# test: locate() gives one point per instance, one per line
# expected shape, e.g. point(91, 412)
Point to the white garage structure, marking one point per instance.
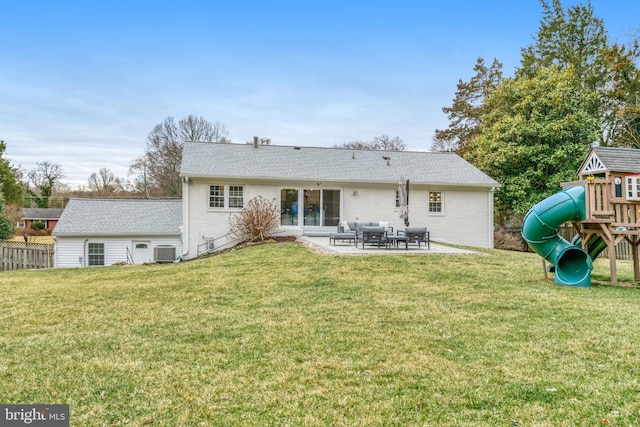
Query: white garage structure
point(94, 232)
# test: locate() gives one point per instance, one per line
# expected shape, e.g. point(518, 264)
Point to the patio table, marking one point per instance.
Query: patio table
point(395, 239)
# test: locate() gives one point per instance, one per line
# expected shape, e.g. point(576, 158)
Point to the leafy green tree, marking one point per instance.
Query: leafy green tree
point(572, 38)
point(575, 39)
point(466, 112)
point(623, 94)
point(6, 224)
point(533, 137)
point(9, 179)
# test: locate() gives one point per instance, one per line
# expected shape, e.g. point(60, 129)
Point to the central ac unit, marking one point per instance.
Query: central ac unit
point(164, 253)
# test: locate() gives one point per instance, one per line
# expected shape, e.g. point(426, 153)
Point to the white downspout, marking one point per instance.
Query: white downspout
point(491, 217)
point(85, 249)
point(185, 216)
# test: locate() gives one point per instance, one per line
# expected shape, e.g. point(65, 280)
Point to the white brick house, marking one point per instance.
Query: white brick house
point(318, 187)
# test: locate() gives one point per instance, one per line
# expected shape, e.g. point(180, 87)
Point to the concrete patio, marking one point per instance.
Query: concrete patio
point(322, 243)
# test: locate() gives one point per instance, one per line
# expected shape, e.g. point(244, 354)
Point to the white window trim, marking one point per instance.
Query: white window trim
point(279, 201)
point(442, 197)
point(632, 181)
point(226, 198)
point(104, 253)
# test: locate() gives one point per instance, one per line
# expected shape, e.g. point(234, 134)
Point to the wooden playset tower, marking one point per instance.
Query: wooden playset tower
point(611, 178)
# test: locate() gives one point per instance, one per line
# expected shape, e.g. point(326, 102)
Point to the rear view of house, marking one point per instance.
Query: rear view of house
point(104, 232)
point(316, 188)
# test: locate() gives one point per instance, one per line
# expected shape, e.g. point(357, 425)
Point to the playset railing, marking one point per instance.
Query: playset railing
point(603, 207)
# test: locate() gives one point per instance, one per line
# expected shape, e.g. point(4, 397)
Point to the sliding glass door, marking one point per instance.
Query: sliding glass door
point(289, 206)
point(330, 207)
point(315, 207)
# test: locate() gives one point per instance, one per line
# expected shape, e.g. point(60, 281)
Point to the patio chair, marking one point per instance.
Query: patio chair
point(418, 235)
point(374, 235)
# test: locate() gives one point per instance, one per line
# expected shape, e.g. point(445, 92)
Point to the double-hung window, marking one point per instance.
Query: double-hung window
point(435, 202)
point(216, 196)
point(95, 254)
point(226, 196)
point(236, 198)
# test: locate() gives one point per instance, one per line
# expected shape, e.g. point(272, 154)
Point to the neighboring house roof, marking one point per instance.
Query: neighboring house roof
point(618, 159)
point(93, 217)
point(41, 213)
point(278, 162)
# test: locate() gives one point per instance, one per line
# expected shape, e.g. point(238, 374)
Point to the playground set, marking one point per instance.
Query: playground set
point(603, 206)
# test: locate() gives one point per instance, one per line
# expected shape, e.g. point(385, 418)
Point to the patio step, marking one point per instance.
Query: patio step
point(319, 231)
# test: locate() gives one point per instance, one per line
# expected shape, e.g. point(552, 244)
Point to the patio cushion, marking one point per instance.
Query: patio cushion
point(356, 226)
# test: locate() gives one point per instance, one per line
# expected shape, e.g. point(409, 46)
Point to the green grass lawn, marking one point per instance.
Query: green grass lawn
point(278, 335)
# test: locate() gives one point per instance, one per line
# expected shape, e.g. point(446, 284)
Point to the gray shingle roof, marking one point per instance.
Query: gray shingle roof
point(41, 213)
point(619, 159)
point(278, 162)
point(91, 217)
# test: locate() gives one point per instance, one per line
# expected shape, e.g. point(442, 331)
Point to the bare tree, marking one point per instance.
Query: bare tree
point(259, 141)
point(105, 183)
point(382, 142)
point(44, 177)
point(160, 165)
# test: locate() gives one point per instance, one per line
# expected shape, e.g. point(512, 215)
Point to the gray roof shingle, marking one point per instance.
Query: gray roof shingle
point(619, 159)
point(278, 162)
point(41, 213)
point(92, 217)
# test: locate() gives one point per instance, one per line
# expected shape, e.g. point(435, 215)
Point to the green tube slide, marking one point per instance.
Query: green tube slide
point(595, 246)
point(540, 230)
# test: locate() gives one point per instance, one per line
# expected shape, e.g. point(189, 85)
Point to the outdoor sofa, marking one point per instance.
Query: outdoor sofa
point(352, 230)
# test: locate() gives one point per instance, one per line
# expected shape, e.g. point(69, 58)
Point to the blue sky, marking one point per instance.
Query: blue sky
point(82, 83)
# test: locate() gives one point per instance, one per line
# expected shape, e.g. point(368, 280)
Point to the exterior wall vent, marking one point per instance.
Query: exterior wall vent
point(164, 253)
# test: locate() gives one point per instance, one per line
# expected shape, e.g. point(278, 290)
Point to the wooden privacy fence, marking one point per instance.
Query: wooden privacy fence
point(21, 255)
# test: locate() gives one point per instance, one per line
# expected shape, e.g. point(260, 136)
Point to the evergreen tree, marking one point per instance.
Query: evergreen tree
point(465, 115)
point(575, 39)
point(623, 95)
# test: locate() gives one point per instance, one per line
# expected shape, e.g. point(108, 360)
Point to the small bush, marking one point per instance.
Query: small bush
point(509, 240)
point(258, 219)
point(6, 228)
point(38, 225)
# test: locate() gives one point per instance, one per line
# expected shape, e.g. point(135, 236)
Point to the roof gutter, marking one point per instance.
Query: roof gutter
point(304, 181)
